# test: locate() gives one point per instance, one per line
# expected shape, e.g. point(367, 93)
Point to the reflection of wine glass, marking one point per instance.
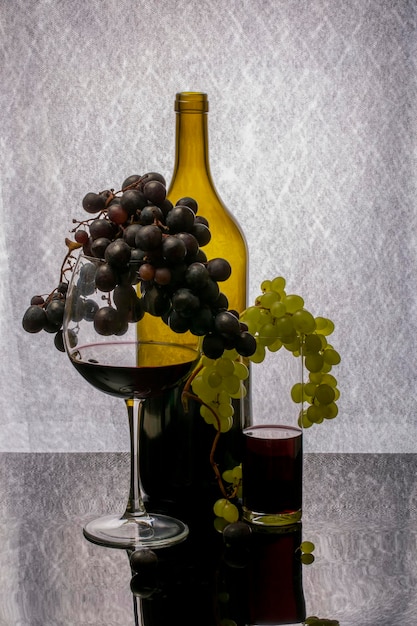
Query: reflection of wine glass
point(102, 339)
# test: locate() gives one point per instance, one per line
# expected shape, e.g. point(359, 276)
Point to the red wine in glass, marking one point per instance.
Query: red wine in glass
point(272, 474)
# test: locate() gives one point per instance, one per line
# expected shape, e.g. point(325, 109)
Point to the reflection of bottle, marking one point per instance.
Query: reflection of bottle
point(174, 445)
point(201, 581)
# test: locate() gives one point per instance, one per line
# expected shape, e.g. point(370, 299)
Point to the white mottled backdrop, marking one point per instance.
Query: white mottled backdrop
point(313, 148)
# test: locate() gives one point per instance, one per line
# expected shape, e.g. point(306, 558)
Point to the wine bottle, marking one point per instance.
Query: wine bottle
point(175, 444)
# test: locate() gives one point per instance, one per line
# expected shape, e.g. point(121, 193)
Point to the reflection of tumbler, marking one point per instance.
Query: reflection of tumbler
point(275, 587)
point(272, 474)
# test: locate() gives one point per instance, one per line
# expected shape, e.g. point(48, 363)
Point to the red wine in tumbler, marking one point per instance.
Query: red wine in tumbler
point(272, 474)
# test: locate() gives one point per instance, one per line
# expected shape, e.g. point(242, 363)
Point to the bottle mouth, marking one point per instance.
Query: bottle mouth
point(191, 102)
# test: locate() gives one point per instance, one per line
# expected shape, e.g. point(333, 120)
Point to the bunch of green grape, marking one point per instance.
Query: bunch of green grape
point(217, 383)
point(277, 320)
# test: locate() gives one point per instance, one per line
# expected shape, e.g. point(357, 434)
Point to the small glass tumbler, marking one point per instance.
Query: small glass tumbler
point(272, 468)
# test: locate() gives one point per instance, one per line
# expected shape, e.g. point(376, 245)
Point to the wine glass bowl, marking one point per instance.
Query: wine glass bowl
point(107, 339)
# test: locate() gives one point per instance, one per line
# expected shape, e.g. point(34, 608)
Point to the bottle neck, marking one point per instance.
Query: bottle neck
point(191, 140)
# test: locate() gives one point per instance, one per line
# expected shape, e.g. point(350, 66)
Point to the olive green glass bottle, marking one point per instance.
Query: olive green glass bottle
point(175, 444)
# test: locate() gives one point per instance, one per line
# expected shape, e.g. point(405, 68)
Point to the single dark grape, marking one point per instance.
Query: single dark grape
point(226, 323)
point(153, 176)
point(245, 344)
point(62, 288)
point(148, 238)
point(210, 293)
point(184, 301)
point(117, 214)
point(72, 338)
point(151, 214)
point(202, 322)
point(191, 244)
point(178, 323)
point(165, 206)
point(196, 276)
point(143, 560)
point(99, 247)
point(117, 253)
point(51, 326)
point(34, 319)
point(101, 228)
point(174, 250)
point(237, 534)
point(130, 180)
point(59, 341)
point(163, 276)
point(213, 346)
point(221, 302)
point(154, 191)
point(201, 256)
point(81, 236)
point(201, 233)
point(143, 586)
point(130, 232)
point(123, 297)
point(93, 202)
point(107, 321)
point(219, 269)
point(55, 311)
point(37, 300)
point(156, 301)
point(190, 202)
point(138, 310)
point(146, 271)
point(180, 219)
point(133, 201)
point(106, 278)
point(200, 219)
point(137, 256)
point(90, 308)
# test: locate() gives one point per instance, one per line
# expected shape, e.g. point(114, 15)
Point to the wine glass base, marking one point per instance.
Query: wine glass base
point(151, 531)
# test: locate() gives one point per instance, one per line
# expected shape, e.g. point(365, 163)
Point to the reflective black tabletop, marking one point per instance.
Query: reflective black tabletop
point(359, 510)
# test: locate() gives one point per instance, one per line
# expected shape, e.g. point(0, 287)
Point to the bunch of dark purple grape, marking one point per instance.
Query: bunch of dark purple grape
point(147, 241)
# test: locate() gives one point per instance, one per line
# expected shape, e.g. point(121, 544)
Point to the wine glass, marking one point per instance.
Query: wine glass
point(103, 338)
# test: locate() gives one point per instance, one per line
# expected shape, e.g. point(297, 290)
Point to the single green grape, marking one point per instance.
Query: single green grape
point(307, 546)
point(278, 284)
point(231, 384)
point(331, 356)
point(304, 321)
point(241, 371)
point(214, 379)
point(224, 366)
point(284, 327)
point(314, 362)
point(274, 347)
point(315, 414)
point(330, 411)
point(307, 559)
point(225, 410)
point(219, 505)
point(297, 392)
point(293, 302)
point(259, 354)
point(230, 512)
point(278, 309)
point(268, 299)
point(267, 334)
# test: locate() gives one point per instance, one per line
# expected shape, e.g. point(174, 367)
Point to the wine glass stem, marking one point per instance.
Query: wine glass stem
point(135, 506)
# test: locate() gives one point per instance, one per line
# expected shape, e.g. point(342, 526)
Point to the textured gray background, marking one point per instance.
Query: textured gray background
point(312, 144)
